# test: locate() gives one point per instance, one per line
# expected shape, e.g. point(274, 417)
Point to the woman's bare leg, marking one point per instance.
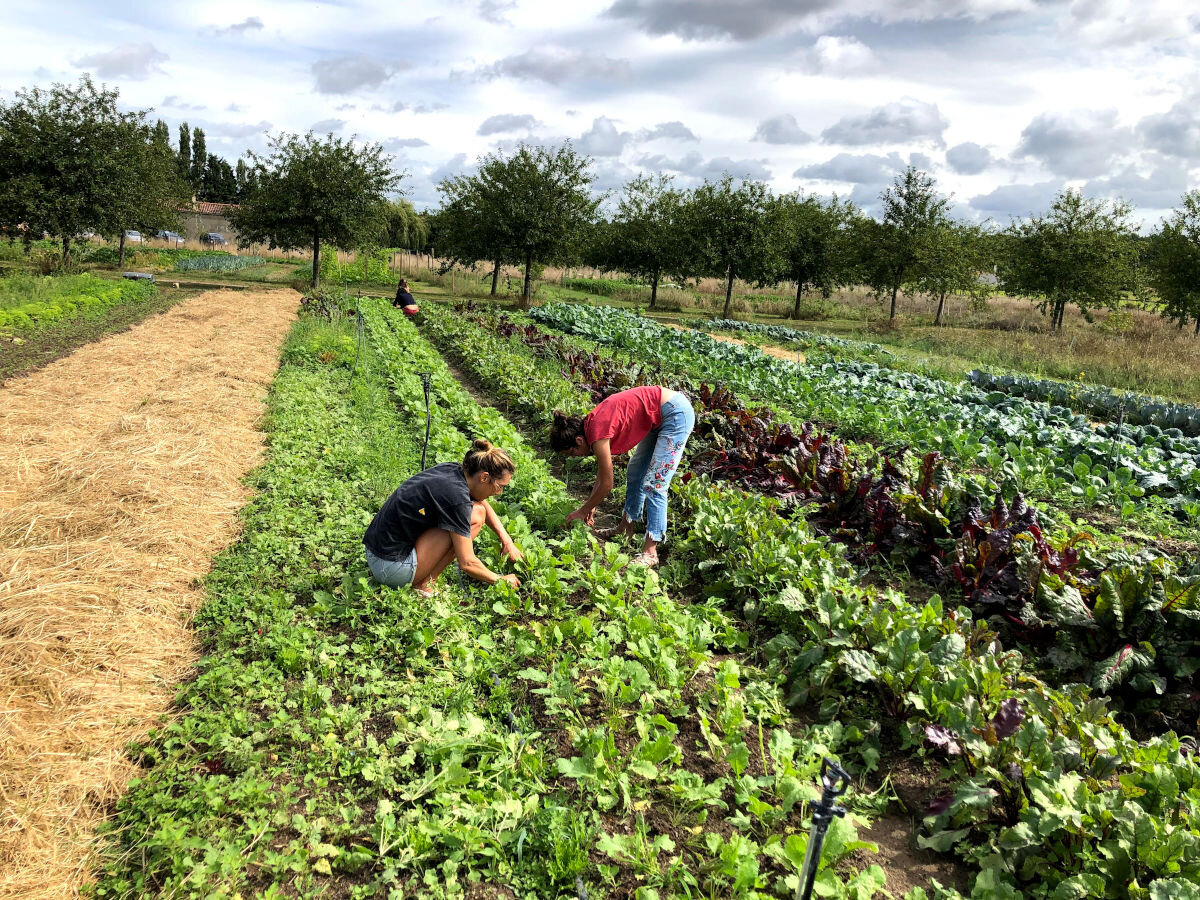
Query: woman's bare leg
point(435, 551)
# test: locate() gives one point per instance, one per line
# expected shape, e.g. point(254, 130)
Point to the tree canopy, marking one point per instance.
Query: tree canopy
point(730, 231)
point(72, 162)
point(1175, 262)
point(1083, 251)
point(911, 209)
point(648, 236)
point(811, 240)
point(316, 189)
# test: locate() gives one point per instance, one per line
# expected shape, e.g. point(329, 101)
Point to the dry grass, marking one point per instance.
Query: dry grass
point(120, 476)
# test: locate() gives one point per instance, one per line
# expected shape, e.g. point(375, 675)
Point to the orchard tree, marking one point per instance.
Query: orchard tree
point(950, 258)
point(69, 161)
point(545, 201)
point(472, 224)
point(312, 190)
point(812, 243)
point(1175, 263)
point(911, 209)
point(648, 235)
point(1083, 252)
point(151, 189)
point(730, 231)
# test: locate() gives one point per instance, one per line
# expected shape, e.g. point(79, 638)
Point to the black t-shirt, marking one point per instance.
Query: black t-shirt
point(403, 298)
point(436, 498)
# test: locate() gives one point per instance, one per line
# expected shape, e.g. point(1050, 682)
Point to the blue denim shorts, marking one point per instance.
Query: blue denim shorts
point(392, 572)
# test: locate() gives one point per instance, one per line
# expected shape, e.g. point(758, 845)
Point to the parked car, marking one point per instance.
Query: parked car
point(133, 237)
point(213, 237)
point(171, 236)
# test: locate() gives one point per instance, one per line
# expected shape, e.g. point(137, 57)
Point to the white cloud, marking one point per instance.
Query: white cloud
point(899, 122)
point(556, 66)
point(137, 61)
point(346, 74)
point(782, 129)
point(836, 55)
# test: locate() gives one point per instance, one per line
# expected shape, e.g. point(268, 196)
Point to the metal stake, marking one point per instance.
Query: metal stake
point(834, 783)
point(425, 376)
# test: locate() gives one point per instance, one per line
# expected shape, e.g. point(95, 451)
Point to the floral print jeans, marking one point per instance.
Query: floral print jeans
point(653, 465)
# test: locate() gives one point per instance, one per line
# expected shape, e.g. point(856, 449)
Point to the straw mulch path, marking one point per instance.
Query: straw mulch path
point(121, 473)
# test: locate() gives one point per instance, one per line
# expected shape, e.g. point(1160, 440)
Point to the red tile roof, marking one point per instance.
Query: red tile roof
point(214, 209)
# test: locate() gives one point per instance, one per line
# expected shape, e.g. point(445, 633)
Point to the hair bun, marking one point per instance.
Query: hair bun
point(483, 445)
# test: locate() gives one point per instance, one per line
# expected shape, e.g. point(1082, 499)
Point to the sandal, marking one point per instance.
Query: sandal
point(425, 592)
point(642, 559)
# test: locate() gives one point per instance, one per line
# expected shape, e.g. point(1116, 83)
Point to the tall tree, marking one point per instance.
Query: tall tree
point(911, 208)
point(312, 190)
point(199, 162)
point(151, 189)
point(219, 184)
point(648, 235)
point(730, 231)
point(1175, 262)
point(1082, 251)
point(242, 177)
point(472, 225)
point(544, 199)
point(185, 152)
point(406, 228)
point(64, 155)
point(950, 258)
point(812, 238)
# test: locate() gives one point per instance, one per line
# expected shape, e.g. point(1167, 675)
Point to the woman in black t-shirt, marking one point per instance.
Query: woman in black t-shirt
point(404, 300)
point(435, 516)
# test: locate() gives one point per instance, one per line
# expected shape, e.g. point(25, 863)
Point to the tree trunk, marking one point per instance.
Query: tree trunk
point(1196, 333)
point(526, 295)
point(121, 252)
point(316, 279)
point(495, 276)
point(66, 250)
point(895, 291)
point(799, 298)
point(654, 288)
point(728, 292)
point(937, 320)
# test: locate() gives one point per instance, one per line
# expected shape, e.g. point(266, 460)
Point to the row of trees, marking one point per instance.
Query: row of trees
point(210, 176)
point(536, 205)
point(72, 163)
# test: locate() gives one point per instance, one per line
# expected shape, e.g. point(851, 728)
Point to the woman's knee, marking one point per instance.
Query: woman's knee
point(478, 518)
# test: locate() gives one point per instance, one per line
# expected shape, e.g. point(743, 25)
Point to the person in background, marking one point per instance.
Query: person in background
point(435, 516)
point(404, 300)
point(658, 421)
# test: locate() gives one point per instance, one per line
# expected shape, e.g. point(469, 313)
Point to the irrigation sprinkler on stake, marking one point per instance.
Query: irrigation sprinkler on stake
point(834, 782)
point(425, 376)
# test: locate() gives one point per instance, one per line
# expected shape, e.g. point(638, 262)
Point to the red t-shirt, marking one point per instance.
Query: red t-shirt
point(624, 418)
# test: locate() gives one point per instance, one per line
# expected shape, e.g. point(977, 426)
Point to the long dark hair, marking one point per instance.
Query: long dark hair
point(564, 430)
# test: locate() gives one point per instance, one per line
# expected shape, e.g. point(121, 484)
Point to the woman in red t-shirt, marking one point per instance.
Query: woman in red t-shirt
point(658, 422)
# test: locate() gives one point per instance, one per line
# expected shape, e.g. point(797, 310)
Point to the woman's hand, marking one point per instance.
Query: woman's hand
point(513, 581)
point(510, 550)
point(586, 516)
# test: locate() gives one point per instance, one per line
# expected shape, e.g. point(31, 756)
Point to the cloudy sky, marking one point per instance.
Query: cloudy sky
point(1004, 101)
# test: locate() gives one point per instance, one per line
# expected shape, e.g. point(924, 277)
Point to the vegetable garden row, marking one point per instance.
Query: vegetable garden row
point(614, 732)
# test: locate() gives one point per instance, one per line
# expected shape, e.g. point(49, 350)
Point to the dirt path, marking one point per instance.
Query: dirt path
point(120, 478)
point(769, 349)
